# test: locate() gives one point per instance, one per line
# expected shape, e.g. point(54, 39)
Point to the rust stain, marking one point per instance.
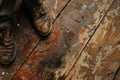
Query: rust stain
point(37, 55)
point(55, 39)
point(32, 57)
point(28, 46)
point(41, 56)
point(25, 74)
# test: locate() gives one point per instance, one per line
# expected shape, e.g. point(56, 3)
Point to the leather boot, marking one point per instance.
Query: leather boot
point(7, 45)
point(39, 16)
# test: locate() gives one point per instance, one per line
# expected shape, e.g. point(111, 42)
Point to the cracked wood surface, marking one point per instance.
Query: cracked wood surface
point(26, 38)
point(56, 57)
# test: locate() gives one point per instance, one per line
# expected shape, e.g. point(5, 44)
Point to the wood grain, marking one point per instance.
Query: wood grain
point(54, 57)
point(100, 59)
point(26, 38)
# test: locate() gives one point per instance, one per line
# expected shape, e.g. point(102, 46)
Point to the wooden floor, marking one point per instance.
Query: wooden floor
point(84, 43)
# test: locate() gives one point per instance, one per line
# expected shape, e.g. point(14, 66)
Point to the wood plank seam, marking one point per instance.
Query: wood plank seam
point(116, 73)
point(40, 40)
point(25, 59)
point(88, 40)
point(42, 71)
point(93, 63)
point(96, 25)
point(62, 71)
point(62, 10)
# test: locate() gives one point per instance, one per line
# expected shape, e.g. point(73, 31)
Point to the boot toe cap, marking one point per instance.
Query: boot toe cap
point(44, 26)
point(7, 58)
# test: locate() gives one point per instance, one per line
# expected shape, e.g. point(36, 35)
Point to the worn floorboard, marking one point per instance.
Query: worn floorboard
point(55, 7)
point(26, 38)
point(100, 60)
point(55, 57)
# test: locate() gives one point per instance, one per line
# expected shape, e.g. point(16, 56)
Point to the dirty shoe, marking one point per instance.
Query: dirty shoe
point(40, 18)
point(7, 45)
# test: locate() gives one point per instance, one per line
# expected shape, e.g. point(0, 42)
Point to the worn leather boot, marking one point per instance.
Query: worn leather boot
point(40, 18)
point(7, 45)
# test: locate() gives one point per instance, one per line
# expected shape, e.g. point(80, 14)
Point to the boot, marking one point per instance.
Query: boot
point(7, 45)
point(40, 18)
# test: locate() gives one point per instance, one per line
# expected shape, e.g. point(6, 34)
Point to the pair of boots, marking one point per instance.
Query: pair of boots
point(39, 18)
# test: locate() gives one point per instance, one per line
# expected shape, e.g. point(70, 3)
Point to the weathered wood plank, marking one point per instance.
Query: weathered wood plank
point(87, 15)
point(100, 60)
point(26, 38)
point(54, 7)
point(53, 58)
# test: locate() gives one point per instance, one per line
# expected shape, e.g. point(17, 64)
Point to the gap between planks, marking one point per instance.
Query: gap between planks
point(89, 40)
point(40, 39)
point(117, 72)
